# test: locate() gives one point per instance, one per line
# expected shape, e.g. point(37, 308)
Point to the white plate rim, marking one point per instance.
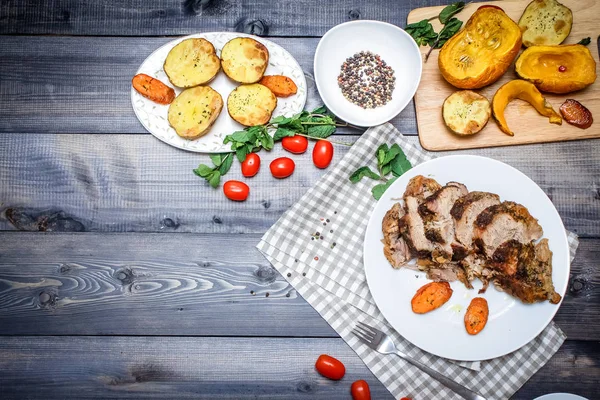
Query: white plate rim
point(327, 103)
point(172, 43)
point(564, 242)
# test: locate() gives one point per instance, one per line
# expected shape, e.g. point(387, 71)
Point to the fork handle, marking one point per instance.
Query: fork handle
point(449, 383)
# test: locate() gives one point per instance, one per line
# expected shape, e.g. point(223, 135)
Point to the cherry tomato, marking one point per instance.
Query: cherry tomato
point(330, 367)
point(282, 167)
point(295, 144)
point(322, 154)
point(360, 390)
point(488, 6)
point(251, 165)
point(236, 190)
point(406, 398)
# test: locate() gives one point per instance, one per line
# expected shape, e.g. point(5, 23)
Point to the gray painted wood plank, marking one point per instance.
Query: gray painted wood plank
point(57, 84)
point(225, 368)
point(188, 284)
point(176, 17)
point(95, 284)
point(124, 183)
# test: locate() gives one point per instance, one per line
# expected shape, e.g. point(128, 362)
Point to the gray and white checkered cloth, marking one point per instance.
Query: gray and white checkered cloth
point(317, 246)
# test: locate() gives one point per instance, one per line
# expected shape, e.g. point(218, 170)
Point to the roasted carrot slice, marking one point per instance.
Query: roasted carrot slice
point(153, 89)
point(431, 296)
point(476, 316)
point(280, 85)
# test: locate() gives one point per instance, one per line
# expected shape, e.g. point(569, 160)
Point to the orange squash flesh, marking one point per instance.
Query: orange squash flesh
point(557, 69)
point(520, 89)
point(481, 53)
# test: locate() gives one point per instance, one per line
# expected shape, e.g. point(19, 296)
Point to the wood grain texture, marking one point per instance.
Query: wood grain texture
point(225, 368)
point(187, 284)
point(57, 84)
point(177, 17)
point(146, 284)
point(125, 183)
point(526, 123)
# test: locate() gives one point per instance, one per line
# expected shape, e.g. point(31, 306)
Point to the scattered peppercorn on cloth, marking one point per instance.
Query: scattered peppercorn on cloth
point(317, 246)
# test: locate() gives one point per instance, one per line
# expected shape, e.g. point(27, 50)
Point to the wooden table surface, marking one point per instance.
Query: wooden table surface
point(123, 275)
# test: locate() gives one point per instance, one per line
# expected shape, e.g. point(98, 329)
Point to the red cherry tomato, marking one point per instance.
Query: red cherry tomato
point(282, 167)
point(322, 154)
point(236, 190)
point(330, 367)
point(406, 398)
point(360, 390)
point(488, 6)
point(295, 144)
point(251, 165)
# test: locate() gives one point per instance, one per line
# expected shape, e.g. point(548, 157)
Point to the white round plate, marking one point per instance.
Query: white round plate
point(396, 47)
point(511, 323)
point(560, 396)
point(154, 116)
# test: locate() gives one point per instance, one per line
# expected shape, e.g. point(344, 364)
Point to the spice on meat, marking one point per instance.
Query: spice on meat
point(366, 80)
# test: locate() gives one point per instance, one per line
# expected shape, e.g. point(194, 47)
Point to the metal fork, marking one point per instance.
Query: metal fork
point(382, 343)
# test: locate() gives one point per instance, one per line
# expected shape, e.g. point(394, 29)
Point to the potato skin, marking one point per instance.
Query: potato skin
point(476, 316)
point(192, 62)
point(153, 89)
point(251, 105)
point(430, 297)
point(466, 112)
point(244, 60)
point(194, 111)
point(280, 85)
point(545, 22)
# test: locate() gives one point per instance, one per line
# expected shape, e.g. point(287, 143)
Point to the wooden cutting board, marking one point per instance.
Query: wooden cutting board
point(524, 121)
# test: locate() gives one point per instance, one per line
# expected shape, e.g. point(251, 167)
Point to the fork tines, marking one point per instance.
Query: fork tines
point(364, 332)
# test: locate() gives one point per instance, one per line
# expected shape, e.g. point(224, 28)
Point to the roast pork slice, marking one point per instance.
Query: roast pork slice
point(465, 211)
point(532, 281)
point(412, 225)
point(449, 272)
point(395, 248)
point(501, 223)
point(438, 223)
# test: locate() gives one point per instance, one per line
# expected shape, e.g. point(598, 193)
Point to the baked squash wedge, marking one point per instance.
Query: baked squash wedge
point(192, 62)
point(244, 59)
point(251, 104)
point(545, 22)
point(194, 111)
point(481, 53)
point(557, 69)
point(520, 89)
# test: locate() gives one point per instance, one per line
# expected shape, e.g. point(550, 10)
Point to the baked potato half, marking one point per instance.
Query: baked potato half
point(192, 62)
point(545, 22)
point(244, 59)
point(194, 111)
point(466, 112)
point(251, 104)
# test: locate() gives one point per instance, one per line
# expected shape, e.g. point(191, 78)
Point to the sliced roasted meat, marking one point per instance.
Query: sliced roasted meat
point(438, 224)
point(395, 248)
point(449, 272)
point(532, 281)
point(412, 224)
point(465, 211)
point(501, 223)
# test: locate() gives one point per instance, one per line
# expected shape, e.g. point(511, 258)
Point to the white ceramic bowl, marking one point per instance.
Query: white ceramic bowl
point(396, 47)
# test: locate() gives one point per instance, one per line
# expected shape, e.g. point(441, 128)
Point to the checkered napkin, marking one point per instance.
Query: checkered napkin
point(317, 246)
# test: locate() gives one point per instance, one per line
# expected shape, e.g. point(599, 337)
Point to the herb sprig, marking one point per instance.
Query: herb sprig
point(389, 159)
point(222, 164)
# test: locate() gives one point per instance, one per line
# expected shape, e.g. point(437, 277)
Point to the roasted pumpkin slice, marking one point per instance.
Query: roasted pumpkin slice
point(520, 89)
point(545, 22)
point(481, 53)
point(557, 69)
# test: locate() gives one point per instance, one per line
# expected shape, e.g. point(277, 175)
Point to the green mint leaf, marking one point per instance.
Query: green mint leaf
point(241, 153)
point(391, 154)
point(386, 169)
point(267, 141)
point(226, 164)
point(240, 136)
point(379, 190)
point(320, 131)
point(585, 41)
point(281, 120)
point(215, 179)
point(280, 133)
point(363, 172)
point(449, 30)
point(380, 153)
point(294, 125)
point(216, 159)
point(450, 11)
point(203, 170)
point(320, 110)
point(422, 32)
point(400, 164)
